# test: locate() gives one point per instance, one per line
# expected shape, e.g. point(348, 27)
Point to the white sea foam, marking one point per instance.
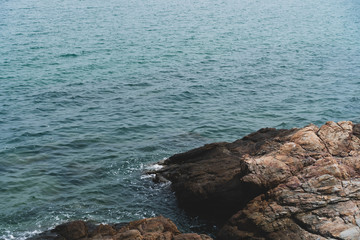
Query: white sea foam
point(154, 167)
point(147, 176)
point(23, 236)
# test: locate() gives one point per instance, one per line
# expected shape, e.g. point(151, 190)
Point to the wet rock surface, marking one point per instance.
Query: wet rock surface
point(158, 228)
point(275, 184)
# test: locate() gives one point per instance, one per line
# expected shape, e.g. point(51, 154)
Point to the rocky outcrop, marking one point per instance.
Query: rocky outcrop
point(158, 228)
point(275, 184)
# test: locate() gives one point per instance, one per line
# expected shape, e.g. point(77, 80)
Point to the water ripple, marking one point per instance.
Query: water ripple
point(91, 92)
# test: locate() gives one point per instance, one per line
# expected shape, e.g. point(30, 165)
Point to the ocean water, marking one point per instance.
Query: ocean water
point(94, 92)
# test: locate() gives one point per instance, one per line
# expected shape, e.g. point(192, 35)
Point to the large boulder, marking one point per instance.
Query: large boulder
point(158, 228)
point(276, 184)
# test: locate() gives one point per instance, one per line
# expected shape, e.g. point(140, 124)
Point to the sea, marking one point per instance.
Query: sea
point(94, 93)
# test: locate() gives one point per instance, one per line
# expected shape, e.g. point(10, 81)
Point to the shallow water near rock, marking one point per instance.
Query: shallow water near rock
point(93, 92)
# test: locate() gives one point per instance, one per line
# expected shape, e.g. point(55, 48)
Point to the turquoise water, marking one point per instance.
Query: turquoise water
point(93, 92)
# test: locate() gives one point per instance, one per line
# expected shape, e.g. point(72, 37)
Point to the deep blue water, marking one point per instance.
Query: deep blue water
point(93, 92)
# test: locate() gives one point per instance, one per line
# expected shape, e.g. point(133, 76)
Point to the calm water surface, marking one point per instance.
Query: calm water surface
point(93, 92)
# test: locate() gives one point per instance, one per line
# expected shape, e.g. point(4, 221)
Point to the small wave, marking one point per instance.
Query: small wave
point(35, 134)
point(69, 55)
point(141, 84)
point(38, 97)
point(23, 236)
point(146, 176)
point(150, 168)
point(36, 47)
point(155, 166)
point(354, 99)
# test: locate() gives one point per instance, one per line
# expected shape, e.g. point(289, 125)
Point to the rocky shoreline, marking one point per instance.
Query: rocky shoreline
point(158, 228)
point(272, 184)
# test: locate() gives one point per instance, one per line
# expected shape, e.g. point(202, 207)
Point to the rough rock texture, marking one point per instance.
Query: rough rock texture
point(158, 228)
point(277, 184)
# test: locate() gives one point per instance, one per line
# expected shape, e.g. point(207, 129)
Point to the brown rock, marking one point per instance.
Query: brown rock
point(72, 230)
point(278, 184)
point(337, 137)
point(132, 234)
point(356, 130)
point(158, 228)
point(191, 236)
point(308, 139)
point(216, 176)
point(152, 225)
point(101, 230)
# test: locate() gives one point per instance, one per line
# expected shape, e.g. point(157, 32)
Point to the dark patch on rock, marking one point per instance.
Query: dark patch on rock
point(356, 130)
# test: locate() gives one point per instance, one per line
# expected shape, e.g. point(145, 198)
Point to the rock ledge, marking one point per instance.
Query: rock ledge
point(275, 184)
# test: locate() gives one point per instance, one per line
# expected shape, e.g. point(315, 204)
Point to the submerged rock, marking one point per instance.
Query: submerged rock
point(158, 228)
point(275, 184)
